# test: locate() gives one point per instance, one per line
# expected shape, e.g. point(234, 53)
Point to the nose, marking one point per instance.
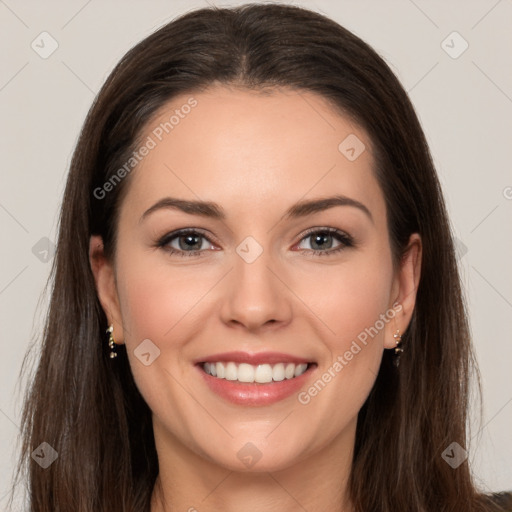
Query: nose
point(255, 295)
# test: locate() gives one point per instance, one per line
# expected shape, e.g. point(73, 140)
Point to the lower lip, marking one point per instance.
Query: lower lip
point(253, 394)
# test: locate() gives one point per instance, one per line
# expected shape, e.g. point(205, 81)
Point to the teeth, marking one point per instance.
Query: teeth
point(278, 372)
point(231, 373)
point(262, 373)
point(246, 373)
point(289, 371)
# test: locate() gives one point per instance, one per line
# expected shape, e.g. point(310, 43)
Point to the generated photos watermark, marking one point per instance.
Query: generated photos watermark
point(151, 142)
point(342, 360)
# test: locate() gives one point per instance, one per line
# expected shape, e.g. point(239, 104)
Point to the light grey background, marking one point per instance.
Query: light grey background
point(464, 104)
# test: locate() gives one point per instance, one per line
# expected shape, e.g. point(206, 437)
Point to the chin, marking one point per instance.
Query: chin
point(256, 457)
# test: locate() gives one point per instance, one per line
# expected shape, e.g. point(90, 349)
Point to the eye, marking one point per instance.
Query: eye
point(323, 238)
point(191, 242)
point(186, 242)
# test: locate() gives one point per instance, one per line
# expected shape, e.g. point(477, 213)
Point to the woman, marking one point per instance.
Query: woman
point(259, 370)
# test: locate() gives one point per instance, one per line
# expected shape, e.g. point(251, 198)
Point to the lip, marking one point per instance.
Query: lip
point(255, 394)
point(253, 358)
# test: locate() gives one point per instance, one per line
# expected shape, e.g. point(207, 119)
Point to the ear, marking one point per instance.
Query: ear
point(106, 288)
point(405, 286)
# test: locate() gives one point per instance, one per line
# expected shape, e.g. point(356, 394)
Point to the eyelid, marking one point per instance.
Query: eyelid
point(343, 237)
point(185, 231)
point(323, 229)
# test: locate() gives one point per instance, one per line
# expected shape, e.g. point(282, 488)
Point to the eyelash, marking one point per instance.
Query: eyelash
point(346, 242)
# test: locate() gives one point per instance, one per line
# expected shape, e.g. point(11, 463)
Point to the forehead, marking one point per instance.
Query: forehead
point(251, 149)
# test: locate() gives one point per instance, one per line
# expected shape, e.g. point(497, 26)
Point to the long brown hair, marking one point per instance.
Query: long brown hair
point(88, 408)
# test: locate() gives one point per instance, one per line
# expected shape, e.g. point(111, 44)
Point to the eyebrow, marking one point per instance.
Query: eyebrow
point(215, 211)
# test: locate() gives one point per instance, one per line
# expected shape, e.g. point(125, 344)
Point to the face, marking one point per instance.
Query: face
point(256, 274)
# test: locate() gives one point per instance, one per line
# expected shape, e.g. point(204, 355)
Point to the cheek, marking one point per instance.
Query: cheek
point(167, 304)
point(161, 305)
point(152, 303)
point(157, 298)
point(353, 307)
point(350, 297)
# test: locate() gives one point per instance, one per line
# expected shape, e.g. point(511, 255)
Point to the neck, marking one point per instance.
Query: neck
point(191, 483)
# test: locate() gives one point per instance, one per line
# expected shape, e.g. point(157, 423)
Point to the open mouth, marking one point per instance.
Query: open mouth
point(255, 374)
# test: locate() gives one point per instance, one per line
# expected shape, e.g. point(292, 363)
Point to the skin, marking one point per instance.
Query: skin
point(255, 155)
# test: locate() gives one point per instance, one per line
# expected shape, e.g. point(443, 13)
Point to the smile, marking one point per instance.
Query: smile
point(248, 373)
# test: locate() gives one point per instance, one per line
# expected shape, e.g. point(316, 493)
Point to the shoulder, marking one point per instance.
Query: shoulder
point(500, 501)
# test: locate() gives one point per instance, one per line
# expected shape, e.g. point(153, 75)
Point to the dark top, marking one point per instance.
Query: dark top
point(503, 500)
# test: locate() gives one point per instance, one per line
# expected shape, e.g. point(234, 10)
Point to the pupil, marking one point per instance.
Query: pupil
point(320, 237)
point(190, 238)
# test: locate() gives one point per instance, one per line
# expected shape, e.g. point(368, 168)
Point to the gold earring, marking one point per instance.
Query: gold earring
point(398, 348)
point(111, 341)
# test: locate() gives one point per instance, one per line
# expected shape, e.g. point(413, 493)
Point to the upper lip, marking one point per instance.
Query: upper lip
point(253, 358)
